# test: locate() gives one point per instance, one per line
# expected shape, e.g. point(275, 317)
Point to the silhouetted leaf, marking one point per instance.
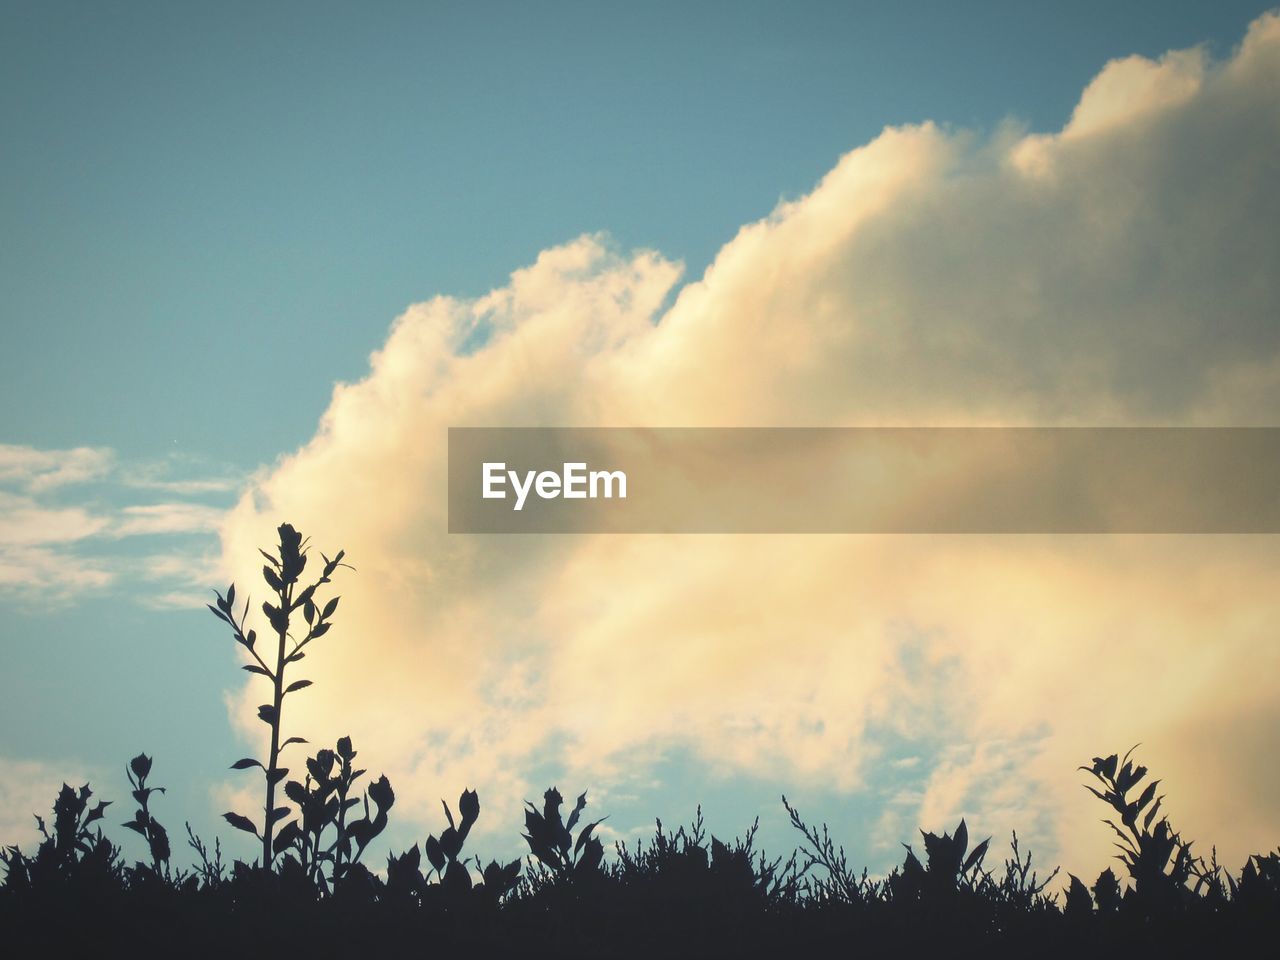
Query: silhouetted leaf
point(321, 765)
point(976, 856)
point(1147, 794)
point(577, 809)
point(159, 842)
point(97, 812)
point(297, 685)
point(585, 833)
point(241, 823)
point(287, 835)
point(434, 853)
point(279, 622)
point(246, 763)
point(304, 598)
point(468, 809)
point(1151, 814)
point(380, 793)
point(450, 843)
point(273, 581)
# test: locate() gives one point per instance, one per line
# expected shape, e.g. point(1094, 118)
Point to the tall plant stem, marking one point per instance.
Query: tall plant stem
point(286, 596)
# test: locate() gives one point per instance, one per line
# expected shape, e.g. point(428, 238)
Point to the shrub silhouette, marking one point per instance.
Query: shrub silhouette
point(144, 824)
point(681, 894)
point(454, 886)
point(683, 872)
point(72, 855)
point(551, 841)
point(321, 838)
point(1157, 859)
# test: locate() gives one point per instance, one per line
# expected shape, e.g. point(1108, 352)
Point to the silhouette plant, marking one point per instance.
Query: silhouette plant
point(946, 871)
point(1259, 885)
point(1106, 892)
point(713, 898)
point(210, 869)
point(1157, 859)
point(282, 574)
point(840, 884)
point(551, 840)
point(683, 872)
point(323, 800)
point(143, 823)
point(72, 854)
point(1021, 886)
point(444, 854)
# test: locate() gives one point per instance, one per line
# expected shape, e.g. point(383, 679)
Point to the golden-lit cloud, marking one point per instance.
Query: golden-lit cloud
point(1120, 271)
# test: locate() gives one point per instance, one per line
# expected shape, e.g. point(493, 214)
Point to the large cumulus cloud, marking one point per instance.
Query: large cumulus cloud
point(1118, 271)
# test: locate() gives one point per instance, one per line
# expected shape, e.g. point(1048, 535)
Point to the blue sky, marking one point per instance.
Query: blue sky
point(209, 215)
point(211, 196)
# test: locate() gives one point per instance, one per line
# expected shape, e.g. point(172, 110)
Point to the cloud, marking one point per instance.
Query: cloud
point(1119, 271)
point(158, 474)
point(162, 518)
point(37, 571)
point(24, 522)
point(60, 541)
point(33, 555)
point(40, 470)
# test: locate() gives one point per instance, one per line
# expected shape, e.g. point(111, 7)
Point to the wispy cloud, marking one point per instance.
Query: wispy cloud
point(54, 575)
point(36, 470)
point(181, 476)
point(25, 522)
point(166, 518)
point(66, 519)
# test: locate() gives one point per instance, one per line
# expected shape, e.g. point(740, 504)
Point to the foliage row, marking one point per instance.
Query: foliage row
point(685, 893)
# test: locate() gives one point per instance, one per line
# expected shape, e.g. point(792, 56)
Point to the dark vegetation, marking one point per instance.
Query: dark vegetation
point(311, 891)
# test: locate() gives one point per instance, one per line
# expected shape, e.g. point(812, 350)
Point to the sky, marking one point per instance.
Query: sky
point(254, 262)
